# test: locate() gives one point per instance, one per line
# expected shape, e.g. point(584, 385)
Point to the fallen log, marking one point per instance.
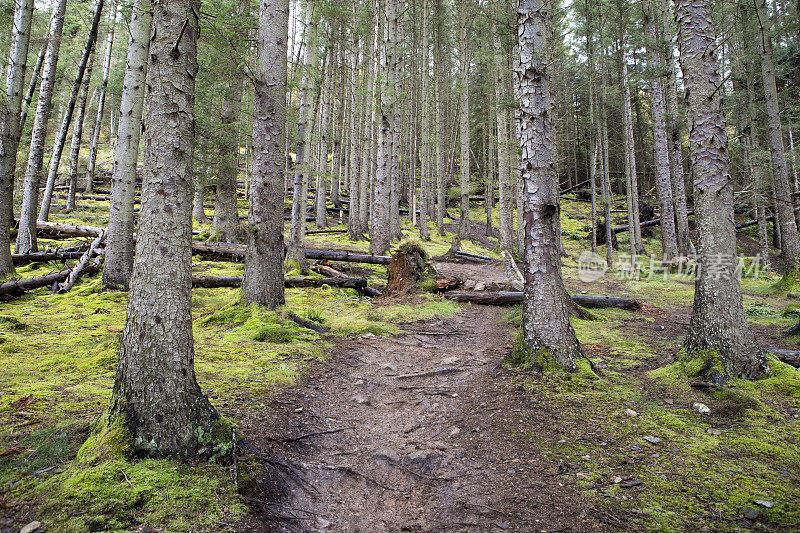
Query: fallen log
point(574, 187)
point(473, 257)
point(307, 323)
point(82, 265)
point(789, 357)
point(43, 257)
point(645, 224)
point(749, 223)
point(16, 287)
point(515, 297)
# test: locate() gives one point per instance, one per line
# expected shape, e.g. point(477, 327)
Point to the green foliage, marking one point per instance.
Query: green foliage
point(275, 334)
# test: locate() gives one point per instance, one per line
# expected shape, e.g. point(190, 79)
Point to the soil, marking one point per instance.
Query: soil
point(412, 433)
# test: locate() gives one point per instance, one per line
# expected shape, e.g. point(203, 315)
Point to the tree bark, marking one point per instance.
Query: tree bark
point(10, 124)
point(61, 136)
point(426, 127)
point(118, 263)
point(35, 76)
point(630, 158)
point(156, 396)
point(546, 328)
point(263, 269)
point(718, 321)
point(26, 237)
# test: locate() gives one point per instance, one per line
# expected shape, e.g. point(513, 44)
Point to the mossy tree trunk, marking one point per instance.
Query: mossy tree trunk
point(156, 396)
point(263, 270)
point(718, 320)
point(546, 328)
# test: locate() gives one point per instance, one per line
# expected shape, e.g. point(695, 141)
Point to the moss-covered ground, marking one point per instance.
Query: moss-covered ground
point(58, 355)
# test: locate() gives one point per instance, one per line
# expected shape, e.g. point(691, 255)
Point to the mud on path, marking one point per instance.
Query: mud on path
point(412, 433)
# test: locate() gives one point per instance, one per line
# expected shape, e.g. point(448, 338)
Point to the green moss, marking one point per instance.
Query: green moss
point(707, 364)
point(107, 441)
point(11, 323)
point(732, 403)
point(274, 333)
point(786, 284)
point(117, 494)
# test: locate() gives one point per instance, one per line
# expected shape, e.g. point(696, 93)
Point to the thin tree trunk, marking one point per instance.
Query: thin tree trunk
point(77, 135)
point(685, 247)
point(669, 242)
point(425, 112)
point(26, 237)
point(718, 320)
point(305, 128)
point(463, 119)
point(35, 78)
point(546, 328)
point(356, 122)
point(101, 102)
point(506, 208)
point(263, 269)
point(379, 230)
point(61, 135)
point(155, 373)
point(10, 124)
point(790, 241)
point(630, 159)
point(118, 263)
point(225, 224)
point(439, 109)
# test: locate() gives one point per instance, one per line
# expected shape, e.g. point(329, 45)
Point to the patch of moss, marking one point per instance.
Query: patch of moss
point(274, 333)
point(107, 441)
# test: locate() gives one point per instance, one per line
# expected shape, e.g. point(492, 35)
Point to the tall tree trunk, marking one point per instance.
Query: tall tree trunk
point(606, 183)
point(718, 320)
point(463, 120)
point(339, 126)
point(10, 125)
point(379, 231)
point(669, 242)
point(439, 109)
point(225, 225)
point(101, 103)
point(325, 106)
point(546, 328)
point(305, 129)
point(425, 111)
point(263, 268)
point(61, 135)
point(790, 242)
point(26, 237)
point(156, 397)
point(685, 247)
point(506, 207)
point(356, 123)
point(630, 158)
point(118, 263)
point(77, 135)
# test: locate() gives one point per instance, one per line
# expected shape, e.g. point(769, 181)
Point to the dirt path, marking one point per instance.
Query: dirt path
point(412, 434)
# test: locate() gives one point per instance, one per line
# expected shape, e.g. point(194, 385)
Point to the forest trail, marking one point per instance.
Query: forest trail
point(412, 433)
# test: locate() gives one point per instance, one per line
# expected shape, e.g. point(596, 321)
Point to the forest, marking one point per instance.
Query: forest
point(399, 265)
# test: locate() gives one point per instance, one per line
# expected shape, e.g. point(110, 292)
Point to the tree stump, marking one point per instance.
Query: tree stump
point(408, 269)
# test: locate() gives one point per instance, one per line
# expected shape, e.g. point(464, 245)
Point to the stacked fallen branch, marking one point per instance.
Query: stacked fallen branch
point(92, 257)
point(17, 287)
point(514, 297)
